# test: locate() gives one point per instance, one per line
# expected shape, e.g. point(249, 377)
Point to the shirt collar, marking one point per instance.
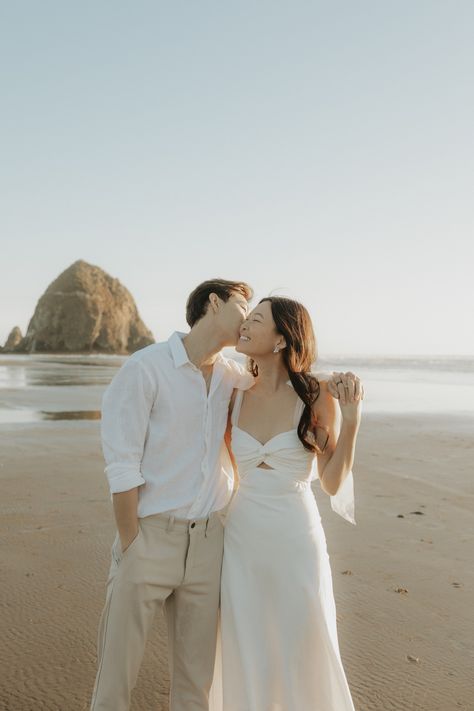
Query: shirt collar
point(178, 351)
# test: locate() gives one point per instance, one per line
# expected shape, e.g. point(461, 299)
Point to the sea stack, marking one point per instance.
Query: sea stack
point(13, 340)
point(85, 310)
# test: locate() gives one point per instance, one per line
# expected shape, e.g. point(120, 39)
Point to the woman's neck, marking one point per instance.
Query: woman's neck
point(272, 374)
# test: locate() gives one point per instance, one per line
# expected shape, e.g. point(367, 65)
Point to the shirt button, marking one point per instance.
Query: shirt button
point(193, 524)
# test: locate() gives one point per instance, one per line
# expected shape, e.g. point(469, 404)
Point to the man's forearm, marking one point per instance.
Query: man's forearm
point(125, 509)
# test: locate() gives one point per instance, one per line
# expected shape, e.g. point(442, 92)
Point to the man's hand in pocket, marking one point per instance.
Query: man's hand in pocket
point(126, 539)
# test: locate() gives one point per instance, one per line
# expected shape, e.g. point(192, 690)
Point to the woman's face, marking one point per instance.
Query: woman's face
point(258, 334)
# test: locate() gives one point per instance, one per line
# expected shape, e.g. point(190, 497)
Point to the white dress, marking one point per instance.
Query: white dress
point(277, 645)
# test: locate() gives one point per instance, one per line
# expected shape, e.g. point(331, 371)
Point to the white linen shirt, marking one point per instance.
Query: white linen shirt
point(162, 432)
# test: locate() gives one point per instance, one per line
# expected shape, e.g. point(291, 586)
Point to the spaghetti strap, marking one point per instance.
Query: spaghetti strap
point(299, 407)
point(298, 412)
point(236, 409)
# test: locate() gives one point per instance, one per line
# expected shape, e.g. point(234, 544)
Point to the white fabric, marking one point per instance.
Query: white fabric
point(277, 645)
point(162, 432)
point(343, 502)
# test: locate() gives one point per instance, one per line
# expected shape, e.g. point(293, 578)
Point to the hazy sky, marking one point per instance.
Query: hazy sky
point(320, 149)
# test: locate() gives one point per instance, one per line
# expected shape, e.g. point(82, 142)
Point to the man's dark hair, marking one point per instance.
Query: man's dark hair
point(198, 300)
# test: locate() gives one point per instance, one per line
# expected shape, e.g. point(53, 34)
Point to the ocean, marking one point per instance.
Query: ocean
point(45, 388)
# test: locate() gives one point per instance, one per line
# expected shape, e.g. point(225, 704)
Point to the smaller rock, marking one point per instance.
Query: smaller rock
point(13, 340)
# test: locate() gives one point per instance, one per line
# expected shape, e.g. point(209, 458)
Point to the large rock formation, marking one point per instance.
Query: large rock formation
point(85, 310)
point(13, 340)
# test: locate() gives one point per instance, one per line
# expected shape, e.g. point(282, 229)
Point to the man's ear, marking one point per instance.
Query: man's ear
point(214, 301)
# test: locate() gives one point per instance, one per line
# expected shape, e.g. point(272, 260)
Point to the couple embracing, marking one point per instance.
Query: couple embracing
point(209, 465)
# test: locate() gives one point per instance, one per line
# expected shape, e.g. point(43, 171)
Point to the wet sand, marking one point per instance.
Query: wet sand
point(403, 580)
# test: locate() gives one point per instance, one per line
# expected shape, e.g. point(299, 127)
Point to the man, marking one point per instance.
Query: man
point(164, 417)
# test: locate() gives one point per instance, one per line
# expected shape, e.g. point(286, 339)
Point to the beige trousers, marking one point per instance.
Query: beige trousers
point(175, 564)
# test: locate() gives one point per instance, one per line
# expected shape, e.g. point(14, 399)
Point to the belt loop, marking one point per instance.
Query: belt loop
point(170, 524)
point(207, 524)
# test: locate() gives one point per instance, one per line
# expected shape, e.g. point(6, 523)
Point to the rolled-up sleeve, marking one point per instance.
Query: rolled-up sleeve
point(126, 407)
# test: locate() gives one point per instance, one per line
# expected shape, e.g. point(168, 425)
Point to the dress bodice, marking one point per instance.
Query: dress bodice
point(283, 452)
point(292, 467)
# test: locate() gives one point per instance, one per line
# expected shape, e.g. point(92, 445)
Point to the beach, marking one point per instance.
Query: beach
point(403, 576)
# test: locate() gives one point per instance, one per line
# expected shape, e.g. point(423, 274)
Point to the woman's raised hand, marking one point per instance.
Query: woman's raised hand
point(348, 389)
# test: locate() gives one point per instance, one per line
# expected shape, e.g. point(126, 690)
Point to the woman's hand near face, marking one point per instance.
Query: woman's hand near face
point(348, 389)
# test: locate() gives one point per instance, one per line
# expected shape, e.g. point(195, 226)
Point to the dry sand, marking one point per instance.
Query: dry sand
point(402, 651)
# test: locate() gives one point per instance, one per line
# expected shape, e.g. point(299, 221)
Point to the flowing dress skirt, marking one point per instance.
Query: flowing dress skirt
point(277, 646)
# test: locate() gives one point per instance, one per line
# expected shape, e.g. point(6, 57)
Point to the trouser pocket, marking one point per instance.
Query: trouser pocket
point(117, 553)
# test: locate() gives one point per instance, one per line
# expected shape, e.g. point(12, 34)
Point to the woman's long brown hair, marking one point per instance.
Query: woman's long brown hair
point(293, 322)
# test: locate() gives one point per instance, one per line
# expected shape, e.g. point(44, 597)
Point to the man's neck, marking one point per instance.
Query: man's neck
point(202, 345)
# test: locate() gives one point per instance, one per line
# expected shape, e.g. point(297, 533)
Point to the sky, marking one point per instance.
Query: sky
point(322, 151)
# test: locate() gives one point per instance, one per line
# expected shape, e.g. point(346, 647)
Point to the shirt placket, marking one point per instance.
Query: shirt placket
point(196, 507)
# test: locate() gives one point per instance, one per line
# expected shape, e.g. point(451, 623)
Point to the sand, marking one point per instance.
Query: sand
point(403, 581)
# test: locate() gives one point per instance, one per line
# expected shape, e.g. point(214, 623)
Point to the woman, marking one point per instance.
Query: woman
point(278, 646)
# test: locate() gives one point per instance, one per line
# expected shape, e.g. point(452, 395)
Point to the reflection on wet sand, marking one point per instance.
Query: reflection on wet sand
point(72, 415)
point(24, 415)
point(36, 389)
point(20, 377)
point(19, 372)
